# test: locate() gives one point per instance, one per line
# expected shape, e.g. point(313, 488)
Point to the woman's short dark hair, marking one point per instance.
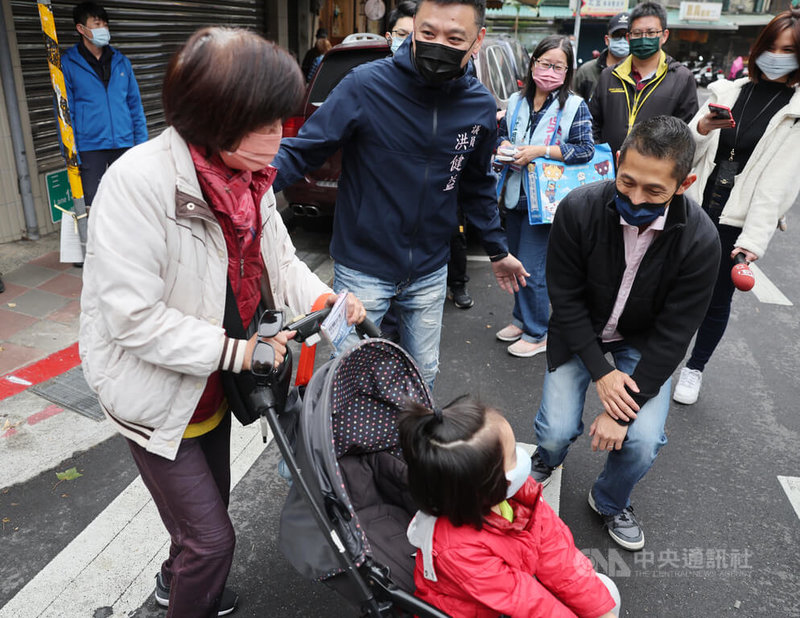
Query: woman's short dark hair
point(455, 465)
point(554, 41)
point(782, 21)
point(225, 83)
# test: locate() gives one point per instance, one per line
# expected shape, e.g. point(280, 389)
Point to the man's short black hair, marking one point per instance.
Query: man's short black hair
point(662, 137)
point(322, 33)
point(649, 9)
point(455, 465)
point(406, 8)
point(478, 5)
point(83, 11)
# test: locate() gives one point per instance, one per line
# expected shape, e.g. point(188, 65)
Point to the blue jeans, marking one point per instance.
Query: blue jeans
point(418, 304)
point(559, 423)
point(528, 243)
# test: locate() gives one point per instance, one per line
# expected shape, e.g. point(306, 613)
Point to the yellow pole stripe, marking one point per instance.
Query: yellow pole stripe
point(60, 90)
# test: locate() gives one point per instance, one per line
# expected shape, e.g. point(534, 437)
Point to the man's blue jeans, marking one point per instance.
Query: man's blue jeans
point(559, 423)
point(419, 304)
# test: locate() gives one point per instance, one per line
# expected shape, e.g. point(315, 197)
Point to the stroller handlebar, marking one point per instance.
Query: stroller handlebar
point(309, 325)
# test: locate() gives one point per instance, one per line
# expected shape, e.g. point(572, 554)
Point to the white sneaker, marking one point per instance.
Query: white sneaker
point(688, 388)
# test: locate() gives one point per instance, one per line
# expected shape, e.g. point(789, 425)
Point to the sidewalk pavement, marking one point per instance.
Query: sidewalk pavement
point(40, 307)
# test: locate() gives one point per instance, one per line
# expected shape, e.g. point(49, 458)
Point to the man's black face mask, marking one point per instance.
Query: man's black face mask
point(438, 63)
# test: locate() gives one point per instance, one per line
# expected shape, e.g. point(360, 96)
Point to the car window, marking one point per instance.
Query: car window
point(336, 65)
point(503, 80)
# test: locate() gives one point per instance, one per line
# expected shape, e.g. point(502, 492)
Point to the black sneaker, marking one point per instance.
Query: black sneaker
point(540, 471)
point(622, 527)
point(461, 297)
point(226, 605)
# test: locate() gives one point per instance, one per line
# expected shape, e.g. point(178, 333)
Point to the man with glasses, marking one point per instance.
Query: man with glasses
point(626, 94)
point(615, 52)
point(400, 24)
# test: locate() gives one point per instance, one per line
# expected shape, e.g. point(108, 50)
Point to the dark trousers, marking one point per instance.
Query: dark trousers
point(94, 164)
point(192, 494)
point(713, 327)
point(457, 266)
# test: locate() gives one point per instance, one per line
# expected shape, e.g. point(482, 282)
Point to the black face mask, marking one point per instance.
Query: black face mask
point(438, 63)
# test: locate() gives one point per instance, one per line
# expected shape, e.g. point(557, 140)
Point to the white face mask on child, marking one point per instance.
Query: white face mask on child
point(517, 476)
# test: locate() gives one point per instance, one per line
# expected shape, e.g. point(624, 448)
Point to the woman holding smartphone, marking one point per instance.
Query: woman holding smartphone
point(746, 164)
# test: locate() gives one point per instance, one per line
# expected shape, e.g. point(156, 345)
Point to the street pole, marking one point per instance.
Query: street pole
point(577, 32)
point(78, 212)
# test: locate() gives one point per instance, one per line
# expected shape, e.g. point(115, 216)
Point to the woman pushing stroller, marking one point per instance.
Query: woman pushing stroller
point(488, 543)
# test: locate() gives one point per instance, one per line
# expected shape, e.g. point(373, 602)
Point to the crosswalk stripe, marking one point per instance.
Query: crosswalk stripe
point(127, 539)
point(551, 493)
point(765, 290)
point(791, 485)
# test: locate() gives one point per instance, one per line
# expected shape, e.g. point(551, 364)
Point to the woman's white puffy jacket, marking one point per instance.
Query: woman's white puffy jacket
point(768, 185)
point(154, 284)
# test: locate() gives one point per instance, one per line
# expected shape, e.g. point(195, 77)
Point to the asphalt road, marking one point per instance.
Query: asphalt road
point(722, 535)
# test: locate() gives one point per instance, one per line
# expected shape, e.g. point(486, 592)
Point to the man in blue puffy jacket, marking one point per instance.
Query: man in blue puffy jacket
point(417, 131)
point(104, 102)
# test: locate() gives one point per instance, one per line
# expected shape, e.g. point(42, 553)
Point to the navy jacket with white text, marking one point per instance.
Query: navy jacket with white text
point(412, 153)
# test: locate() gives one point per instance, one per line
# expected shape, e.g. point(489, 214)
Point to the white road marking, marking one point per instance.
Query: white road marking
point(113, 561)
point(791, 485)
point(765, 290)
point(477, 258)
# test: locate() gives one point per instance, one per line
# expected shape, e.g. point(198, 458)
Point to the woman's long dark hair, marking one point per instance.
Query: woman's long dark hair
point(782, 21)
point(554, 41)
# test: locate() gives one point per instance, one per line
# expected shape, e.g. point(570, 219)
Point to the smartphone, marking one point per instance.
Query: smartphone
point(720, 112)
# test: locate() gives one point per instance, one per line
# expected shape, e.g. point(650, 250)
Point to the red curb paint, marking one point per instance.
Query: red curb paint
point(49, 411)
point(9, 433)
point(40, 371)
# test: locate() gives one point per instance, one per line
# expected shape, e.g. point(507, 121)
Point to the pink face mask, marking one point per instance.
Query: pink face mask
point(547, 80)
point(255, 152)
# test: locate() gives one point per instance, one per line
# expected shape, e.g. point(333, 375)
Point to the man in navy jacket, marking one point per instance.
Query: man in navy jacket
point(417, 131)
point(104, 102)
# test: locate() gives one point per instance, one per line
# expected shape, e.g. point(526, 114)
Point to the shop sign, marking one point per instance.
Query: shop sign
point(603, 8)
point(700, 11)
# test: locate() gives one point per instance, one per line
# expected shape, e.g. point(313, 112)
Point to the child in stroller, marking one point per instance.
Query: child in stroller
point(488, 543)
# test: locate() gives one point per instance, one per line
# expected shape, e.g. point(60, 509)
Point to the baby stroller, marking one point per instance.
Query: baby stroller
point(344, 521)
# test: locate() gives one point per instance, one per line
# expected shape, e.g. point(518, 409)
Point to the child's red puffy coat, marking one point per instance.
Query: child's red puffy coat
point(489, 572)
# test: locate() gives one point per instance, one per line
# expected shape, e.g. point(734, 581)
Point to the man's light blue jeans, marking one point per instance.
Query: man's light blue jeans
point(419, 304)
point(559, 423)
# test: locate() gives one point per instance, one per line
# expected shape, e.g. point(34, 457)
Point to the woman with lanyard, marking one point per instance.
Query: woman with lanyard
point(544, 120)
point(746, 168)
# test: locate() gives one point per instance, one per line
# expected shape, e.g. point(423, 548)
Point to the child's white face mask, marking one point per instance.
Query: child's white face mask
point(518, 474)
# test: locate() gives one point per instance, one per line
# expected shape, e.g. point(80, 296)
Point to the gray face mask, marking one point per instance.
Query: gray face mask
point(775, 66)
point(619, 48)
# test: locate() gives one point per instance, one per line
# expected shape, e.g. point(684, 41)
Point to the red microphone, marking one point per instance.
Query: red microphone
point(742, 276)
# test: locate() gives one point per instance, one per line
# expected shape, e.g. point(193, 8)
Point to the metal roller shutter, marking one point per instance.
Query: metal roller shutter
point(147, 32)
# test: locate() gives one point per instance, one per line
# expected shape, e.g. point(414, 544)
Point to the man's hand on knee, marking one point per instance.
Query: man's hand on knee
point(616, 400)
point(607, 434)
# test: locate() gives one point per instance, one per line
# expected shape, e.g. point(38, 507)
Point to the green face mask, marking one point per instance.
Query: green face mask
point(644, 48)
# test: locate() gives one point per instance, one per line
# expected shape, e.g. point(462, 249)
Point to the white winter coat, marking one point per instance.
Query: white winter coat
point(154, 284)
point(768, 185)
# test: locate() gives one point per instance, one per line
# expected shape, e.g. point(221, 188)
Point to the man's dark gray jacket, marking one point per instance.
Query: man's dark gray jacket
point(668, 300)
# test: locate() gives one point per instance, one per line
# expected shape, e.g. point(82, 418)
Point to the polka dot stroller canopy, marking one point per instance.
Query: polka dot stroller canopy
point(349, 409)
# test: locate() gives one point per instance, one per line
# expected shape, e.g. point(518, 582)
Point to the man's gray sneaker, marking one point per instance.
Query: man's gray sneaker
point(540, 471)
point(622, 527)
point(226, 605)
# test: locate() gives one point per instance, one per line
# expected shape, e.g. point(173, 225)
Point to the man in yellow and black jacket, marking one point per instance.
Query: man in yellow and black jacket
point(647, 83)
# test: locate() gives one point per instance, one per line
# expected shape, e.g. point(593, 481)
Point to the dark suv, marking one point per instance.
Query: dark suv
point(315, 194)
point(501, 61)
